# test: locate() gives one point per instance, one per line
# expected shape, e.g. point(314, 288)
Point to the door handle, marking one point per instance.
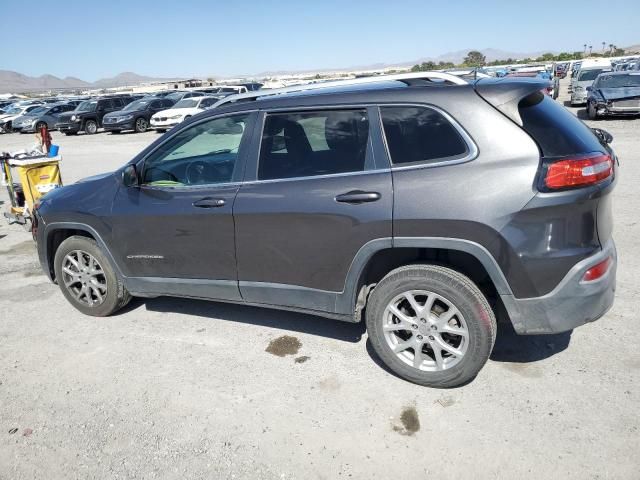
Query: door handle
point(358, 196)
point(209, 203)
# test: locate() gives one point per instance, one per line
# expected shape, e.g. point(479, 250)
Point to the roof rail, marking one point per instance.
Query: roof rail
point(446, 77)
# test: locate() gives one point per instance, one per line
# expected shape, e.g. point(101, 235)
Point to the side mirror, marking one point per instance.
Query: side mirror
point(589, 89)
point(130, 176)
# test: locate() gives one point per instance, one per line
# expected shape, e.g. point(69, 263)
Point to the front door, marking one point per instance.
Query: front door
point(178, 223)
point(312, 202)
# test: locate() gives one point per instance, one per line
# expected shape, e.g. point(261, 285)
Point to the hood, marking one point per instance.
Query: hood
point(619, 93)
point(121, 113)
point(170, 112)
point(93, 178)
point(90, 195)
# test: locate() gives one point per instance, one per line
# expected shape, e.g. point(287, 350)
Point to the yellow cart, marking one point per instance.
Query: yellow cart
point(37, 175)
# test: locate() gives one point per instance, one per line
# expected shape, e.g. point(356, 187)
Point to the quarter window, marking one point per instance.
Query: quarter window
point(204, 154)
point(313, 143)
point(420, 135)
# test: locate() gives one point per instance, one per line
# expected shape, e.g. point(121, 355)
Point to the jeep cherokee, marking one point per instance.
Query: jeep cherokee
point(421, 200)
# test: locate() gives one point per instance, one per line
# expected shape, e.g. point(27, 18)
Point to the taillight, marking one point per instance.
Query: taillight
point(578, 172)
point(597, 271)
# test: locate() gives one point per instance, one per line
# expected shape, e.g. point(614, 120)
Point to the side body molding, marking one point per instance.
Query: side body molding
point(339, 305)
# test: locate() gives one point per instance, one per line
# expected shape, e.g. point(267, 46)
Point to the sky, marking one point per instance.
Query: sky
point(183, 38)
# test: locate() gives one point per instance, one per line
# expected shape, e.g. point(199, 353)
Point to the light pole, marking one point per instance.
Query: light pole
point(590, 49)
point(603, 44)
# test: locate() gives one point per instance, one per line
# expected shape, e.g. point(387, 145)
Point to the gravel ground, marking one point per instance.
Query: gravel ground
point(173, 388)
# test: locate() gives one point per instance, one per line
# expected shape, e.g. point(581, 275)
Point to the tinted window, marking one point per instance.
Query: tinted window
point(313, 143)
point(203, 154)
point(589, 74)
point(420, 135)
point(556, 130)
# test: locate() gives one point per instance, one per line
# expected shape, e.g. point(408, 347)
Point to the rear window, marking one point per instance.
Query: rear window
point(420, 135)
point(556, 130)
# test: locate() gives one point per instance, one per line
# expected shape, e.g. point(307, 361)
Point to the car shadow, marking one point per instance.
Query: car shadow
point(264, 317)
point(513, 348)
point(509, 348)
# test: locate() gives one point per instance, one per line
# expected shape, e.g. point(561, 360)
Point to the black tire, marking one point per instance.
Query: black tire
point(592, 113)
point(90, 127)
point(141, 125)
point(463, 294)
point(8, 128)
point(116, 295)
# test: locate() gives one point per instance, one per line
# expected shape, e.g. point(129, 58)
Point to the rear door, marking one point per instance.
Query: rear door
point(316, 196)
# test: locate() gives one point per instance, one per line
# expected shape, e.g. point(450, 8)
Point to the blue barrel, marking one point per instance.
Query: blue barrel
point(53, 150)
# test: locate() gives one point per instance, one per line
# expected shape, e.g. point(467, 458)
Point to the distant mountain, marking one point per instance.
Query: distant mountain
point(14, 82)
point(127, 78)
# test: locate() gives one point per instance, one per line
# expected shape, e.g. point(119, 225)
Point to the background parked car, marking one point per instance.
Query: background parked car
point(87, 117)
point(584, 79)
point(179, 95)
point(44, 116)
point(614, 93)
point(181, 111)
point(136, 115)
point(6, 120)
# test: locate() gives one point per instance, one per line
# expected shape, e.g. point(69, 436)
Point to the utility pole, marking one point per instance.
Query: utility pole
point(603, 44)
point(590, 49)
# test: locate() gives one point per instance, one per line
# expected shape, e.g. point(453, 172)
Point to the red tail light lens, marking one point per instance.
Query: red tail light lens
point(597, 271)
point(578, 172)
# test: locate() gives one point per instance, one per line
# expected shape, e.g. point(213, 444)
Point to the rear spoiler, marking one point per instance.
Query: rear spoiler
point(505, 93)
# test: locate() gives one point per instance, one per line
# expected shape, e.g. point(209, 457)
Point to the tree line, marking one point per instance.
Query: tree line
point(476, 59)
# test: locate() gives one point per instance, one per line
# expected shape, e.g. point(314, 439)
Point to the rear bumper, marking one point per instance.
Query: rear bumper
point(571, 304)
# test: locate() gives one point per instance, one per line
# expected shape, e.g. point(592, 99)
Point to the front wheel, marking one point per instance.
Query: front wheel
point(141, 125)
point(90, 127)
point(431, 325)
point(592, 113)
point(87, 279)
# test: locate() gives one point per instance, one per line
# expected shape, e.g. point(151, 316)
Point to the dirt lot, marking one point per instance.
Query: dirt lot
point(186, 389)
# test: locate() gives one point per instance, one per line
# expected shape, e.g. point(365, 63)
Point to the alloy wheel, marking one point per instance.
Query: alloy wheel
point(425, 330)
point(84, 278)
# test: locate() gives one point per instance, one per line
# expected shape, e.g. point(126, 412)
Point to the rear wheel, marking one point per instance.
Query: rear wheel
point(431, 325)
point(87, 279)
point(141, 125)
point(90, 127)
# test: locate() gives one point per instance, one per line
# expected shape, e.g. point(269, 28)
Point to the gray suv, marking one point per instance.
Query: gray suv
point(422, 203)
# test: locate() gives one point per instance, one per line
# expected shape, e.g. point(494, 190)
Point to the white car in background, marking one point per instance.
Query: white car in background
point(6, 120)
point(181, 111)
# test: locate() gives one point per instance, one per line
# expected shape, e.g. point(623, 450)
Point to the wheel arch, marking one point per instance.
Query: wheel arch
point(376, 259)
point(56, 233)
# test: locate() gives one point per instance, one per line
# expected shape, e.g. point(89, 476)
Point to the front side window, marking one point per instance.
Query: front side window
point(313, 143)
point(204, 154)
point(417, 135)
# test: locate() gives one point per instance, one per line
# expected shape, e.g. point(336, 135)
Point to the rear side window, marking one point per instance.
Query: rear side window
point(418, 135)
point(313, 143)
point(556, 130)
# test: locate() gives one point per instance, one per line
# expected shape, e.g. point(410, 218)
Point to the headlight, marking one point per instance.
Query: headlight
point(74, 118)
point(124, 117)
point(578, 89)
point(175, 117)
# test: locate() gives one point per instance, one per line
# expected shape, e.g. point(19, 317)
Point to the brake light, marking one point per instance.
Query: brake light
point(597, 271)
point(578, 172)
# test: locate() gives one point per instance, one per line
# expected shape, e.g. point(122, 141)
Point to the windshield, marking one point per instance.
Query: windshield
point(38, 111)
point(87, 107)
point(618, 81)
point(186, 103)
point(137, 105)
point(175, 96)
point(13, 111)
point(228, 90)
point(589, 75)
